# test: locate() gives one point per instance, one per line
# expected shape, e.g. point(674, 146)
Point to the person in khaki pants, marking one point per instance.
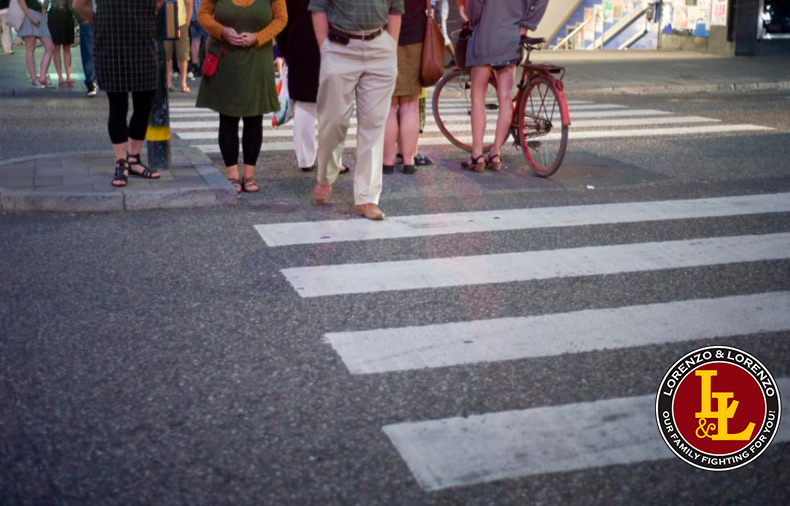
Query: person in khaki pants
point(358, 41)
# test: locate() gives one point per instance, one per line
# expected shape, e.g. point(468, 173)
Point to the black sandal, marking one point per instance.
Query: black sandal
point(121, 173)
point(146, 173)
point(491, 164)
point(475, 163)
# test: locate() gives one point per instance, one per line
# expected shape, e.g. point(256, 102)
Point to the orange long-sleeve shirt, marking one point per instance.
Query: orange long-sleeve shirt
point(212, 26)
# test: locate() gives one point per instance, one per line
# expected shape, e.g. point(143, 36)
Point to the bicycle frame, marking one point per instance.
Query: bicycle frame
point(533, 70)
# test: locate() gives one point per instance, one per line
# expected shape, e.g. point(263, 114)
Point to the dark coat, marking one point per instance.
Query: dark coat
point(299, 48)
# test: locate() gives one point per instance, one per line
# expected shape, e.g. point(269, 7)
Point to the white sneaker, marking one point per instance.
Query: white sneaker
point(190, 76)
point(92, 90)
point(35, 83)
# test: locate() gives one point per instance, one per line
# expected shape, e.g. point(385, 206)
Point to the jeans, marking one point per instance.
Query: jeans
point(86, 52)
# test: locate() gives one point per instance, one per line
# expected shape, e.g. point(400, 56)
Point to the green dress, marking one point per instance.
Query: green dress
point(244, 82)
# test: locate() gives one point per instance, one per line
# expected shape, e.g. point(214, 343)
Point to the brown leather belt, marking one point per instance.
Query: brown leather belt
point(369, 36)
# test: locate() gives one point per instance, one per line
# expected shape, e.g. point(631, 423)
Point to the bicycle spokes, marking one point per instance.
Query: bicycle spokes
point(542, 133)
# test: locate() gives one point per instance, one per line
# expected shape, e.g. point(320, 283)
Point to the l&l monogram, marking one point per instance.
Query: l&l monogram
point(725, 411)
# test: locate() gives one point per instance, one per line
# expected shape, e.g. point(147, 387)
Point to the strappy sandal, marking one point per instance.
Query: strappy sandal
point(121, 173)
point(249, 185)
point(475, 163)
point(491, 164)
point(146, 173)
point(234, 181)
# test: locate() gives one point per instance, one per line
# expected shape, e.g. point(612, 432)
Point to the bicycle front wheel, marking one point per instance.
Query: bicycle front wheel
point(542, 134)
point(452, 109)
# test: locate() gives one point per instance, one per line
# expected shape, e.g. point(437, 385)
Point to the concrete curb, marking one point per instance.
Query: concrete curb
point(684, 88)
point(74, 202)
point(217, 192)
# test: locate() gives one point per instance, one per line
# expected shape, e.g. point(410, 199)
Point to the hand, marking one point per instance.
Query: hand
point(430, 13)
point(35, 21)
point(248, 39)
point(231, 36)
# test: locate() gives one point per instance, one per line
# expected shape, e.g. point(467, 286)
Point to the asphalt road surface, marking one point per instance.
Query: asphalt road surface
point(488, 343)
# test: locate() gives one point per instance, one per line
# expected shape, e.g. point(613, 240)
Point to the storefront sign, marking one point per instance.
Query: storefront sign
point(718, 14)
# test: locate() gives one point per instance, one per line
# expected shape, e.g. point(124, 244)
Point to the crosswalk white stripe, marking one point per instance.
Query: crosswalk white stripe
point(654, 132)
point(324, 280)
point(397, 227)
point(617, 113)
point(464, 107)
point(575, 136)
point(458, 108)
point(462, 126)
point(457, 343)
point(512, 444)
point(190, 105)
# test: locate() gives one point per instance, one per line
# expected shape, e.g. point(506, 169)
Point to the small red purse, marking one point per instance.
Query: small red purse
point(211, 62)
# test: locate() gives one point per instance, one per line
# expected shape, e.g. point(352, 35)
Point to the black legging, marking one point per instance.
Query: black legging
point(251, 139)
point(119, 107)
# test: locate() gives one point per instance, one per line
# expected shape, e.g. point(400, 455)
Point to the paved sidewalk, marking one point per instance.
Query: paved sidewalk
point(78, 182)
point(669, 72)
point(74, 182)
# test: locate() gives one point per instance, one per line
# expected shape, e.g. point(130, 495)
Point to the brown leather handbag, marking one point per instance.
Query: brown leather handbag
point(432, 66)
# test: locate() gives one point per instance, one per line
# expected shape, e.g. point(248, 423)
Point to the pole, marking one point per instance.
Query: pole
point(158, 134)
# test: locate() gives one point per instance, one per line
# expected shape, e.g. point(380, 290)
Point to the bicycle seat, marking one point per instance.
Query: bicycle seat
point(532, 40)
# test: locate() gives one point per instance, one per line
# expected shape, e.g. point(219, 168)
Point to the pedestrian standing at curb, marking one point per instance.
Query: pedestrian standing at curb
point(181, 46)
point(495, 46)
point(303, 61)
point(197, 36)
point(358, 41)
point(86, 51)
point(5, 30)
point(403, 122)
point(61, 25)
point(34, 27)
point(243, 85)
point(126, 61)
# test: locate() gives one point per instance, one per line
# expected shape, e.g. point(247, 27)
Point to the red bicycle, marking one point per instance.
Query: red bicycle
point(540, 112)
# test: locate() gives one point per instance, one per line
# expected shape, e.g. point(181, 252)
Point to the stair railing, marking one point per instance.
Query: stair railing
point(565, 41)
point(621, 25)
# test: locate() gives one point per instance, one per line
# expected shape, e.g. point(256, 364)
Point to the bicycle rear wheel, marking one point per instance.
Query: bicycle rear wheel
point(452, 109)
point(542, 134)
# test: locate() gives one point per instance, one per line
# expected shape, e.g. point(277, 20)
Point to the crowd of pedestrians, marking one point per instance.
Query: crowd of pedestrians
point(339, 55)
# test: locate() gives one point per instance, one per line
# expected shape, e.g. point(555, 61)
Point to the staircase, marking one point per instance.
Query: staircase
point(609, 24)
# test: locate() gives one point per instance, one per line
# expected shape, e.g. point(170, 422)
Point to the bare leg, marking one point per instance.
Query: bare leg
point(480, 76)
point(58, 66)
point(135, 146)
point(504, 85)
point(30, 56)
point(46, 58)
point(119, 150)
point(67, 61)
point(391, 133)
point(409, 128)
point(182, 69)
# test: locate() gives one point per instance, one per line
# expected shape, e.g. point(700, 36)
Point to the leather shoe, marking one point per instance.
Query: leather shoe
point(370, 211)
point(322, 192)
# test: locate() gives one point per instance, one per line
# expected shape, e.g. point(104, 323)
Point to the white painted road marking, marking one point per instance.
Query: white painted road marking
point(326, 280)
point(512, 444)
point(285, 132)
point(398, 227)
point(457, 343)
